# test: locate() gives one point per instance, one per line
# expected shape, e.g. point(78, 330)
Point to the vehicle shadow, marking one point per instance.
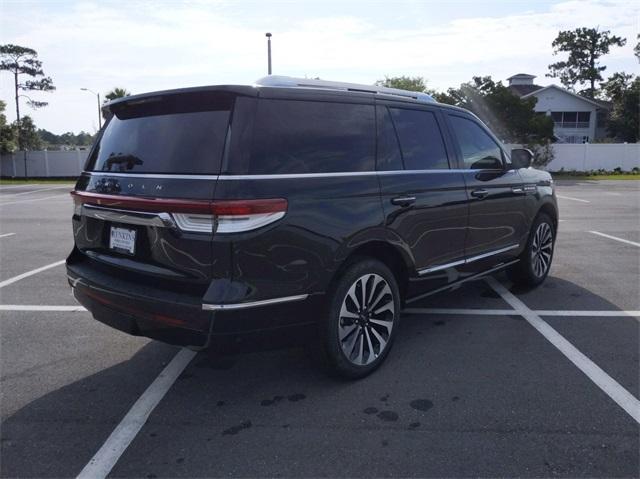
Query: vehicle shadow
point(488, 385)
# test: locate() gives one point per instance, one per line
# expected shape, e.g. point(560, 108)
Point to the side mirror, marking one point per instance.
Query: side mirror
point(521, 158)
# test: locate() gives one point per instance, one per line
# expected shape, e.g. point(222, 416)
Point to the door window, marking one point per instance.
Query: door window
point(421, 143)
point(312, 137)
point(479, 150)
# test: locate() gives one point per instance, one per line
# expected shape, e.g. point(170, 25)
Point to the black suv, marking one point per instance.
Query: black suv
point(208, 213)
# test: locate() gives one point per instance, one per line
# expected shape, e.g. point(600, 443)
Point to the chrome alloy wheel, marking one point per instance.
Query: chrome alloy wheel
point(541, 249)
point(366, 319)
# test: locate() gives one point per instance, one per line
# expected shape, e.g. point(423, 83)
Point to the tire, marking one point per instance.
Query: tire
point(357, 335)
point(535, 260)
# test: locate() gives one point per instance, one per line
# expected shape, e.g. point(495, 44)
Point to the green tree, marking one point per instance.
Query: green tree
point(636, 49)
point(510, 117)
point(405, 83)
point(616, 86)
point(7, 132)
point(584, 46)
point(24, 61)
point(30, 138)
point(116, 93)
point(624, 118)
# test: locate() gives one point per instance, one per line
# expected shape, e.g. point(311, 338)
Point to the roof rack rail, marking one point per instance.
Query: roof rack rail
point(292, 82)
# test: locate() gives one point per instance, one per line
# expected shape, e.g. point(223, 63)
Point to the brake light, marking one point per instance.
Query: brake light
point(229, 216)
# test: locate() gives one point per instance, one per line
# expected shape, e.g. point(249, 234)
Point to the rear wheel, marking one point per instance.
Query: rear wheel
point(363, 316)
point(535, 260)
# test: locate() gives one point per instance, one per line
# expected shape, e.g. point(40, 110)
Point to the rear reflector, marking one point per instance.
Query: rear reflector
point(230, 216)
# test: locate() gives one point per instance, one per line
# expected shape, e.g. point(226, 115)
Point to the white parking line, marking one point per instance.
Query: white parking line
point(6, 235)
point(33, 191)
point(47, 308)
point(572, 199)
point(9, 281)
point(609, 386)
point(633, 243)
point(107, 456)
point(509, 312)
point(35, 199)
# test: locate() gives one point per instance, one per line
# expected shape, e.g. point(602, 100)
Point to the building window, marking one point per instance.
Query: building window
point(571, 119)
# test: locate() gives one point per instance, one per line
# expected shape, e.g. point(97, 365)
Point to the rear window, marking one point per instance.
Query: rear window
point(181, 134)
point(312, 137)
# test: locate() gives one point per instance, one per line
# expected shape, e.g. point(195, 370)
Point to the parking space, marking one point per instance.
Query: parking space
point(474, 386)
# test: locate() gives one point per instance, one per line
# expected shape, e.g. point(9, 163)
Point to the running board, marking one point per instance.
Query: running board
point(462, 281)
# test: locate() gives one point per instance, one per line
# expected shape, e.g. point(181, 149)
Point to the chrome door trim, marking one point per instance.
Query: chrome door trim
point(252, 304)
point(225, 177)
point(470, 259)
point(142, 218)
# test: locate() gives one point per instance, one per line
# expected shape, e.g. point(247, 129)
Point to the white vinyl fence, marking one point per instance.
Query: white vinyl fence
point(42, 164)
point(584, 157)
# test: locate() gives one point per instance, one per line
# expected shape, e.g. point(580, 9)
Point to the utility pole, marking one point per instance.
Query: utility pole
point(99, 110)
point(268, 35)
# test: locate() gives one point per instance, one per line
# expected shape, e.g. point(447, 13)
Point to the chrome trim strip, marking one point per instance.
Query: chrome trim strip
point(253, 304)
point(471, 259)
point(491, 253)
point(433, 269)
point(334, 174)
point(274, 176)
point(143, 218)
point(462, 281)
point(157, 175)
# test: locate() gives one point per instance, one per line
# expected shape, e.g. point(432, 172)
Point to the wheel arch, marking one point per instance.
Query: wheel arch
point(551, 210)
point(391, 256)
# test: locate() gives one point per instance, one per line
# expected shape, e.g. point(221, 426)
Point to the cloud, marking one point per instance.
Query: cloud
point(146, 46)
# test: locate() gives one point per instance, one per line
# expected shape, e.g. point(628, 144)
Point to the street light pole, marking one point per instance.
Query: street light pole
point(268, 35)
point(99, 110)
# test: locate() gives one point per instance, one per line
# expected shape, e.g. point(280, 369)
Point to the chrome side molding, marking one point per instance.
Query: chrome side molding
point(253, 304)
point(470, 259)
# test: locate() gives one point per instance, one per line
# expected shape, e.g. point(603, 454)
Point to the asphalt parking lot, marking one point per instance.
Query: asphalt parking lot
point(482, 381)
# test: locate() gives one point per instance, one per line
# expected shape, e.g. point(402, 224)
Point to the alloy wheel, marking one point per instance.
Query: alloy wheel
point(366, 319)
point(541, 249)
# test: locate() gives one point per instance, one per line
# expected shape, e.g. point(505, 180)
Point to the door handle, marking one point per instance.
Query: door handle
point(479, 193)
point(403, 200)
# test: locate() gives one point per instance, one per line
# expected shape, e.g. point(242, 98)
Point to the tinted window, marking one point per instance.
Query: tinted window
point(389, 155)
point(164, 136)
point(421, 142)
point(479, 150)
point(312, 137)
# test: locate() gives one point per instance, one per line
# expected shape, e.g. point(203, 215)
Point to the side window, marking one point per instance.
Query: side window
point(479, 150)
point(389, 155)
point(421, 143)
point(312, 137)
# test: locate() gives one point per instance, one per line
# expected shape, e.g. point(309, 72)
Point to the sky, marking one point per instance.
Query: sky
point(156, 45)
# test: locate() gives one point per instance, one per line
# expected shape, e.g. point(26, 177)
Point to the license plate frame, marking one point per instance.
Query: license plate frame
point(122, 240)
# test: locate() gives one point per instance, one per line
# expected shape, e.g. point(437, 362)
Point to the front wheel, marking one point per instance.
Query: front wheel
point(535, 260)
point(363, 317)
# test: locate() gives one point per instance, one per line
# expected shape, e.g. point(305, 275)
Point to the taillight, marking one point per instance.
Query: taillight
point(235, 216)
point(200, 216)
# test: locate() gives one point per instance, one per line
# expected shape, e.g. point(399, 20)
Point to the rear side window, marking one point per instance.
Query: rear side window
point(421, 143)
point(181, 134)
point(312, 137)
point(479, 150)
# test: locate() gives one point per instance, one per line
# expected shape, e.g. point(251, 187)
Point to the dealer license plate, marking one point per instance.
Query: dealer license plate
point(122, 240)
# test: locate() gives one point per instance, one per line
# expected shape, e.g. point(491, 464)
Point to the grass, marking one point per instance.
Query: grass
point(586, 176)
point(36, 181)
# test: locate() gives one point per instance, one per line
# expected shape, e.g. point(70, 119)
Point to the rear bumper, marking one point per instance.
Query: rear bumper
point(179, 318)
point(140, 311)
